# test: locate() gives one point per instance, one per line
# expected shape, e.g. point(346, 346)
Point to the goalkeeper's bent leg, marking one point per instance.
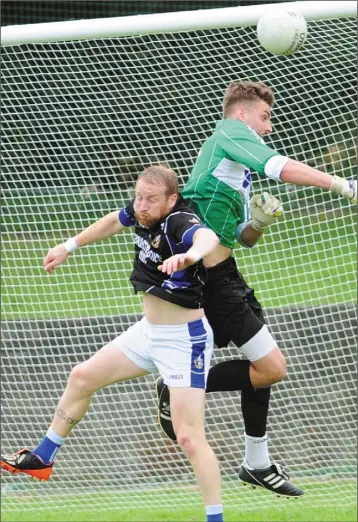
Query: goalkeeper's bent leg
point(233, 376)
point(187, 409)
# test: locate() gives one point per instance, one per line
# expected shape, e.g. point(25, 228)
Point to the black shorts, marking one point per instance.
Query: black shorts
point(230, 305)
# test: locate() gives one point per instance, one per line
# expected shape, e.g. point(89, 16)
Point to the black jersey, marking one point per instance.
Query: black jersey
point(172, 235)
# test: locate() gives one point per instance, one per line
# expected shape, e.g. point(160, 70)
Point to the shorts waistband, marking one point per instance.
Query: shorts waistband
point(172, 328)
point(221, 269)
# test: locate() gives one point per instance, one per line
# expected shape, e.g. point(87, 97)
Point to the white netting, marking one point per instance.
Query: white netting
point(80, 121)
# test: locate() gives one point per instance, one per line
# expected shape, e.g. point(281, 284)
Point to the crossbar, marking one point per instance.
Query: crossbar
point(238, 16)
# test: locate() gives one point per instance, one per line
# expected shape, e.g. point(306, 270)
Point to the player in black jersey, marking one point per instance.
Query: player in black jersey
point(173, 338)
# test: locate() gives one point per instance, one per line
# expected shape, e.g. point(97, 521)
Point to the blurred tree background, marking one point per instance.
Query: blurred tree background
point(33, 12)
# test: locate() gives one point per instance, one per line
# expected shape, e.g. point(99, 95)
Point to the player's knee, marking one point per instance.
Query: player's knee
point(271, 369)
point(80, 379)
point(187, 442)
point(278, 373)
point(277, 370)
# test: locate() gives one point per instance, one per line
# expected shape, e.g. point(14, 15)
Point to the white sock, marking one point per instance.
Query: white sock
point(57, 439)
point(216, 509)
point(256, 452)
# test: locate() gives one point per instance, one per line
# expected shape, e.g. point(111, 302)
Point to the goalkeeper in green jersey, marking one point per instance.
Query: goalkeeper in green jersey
point(218, 190)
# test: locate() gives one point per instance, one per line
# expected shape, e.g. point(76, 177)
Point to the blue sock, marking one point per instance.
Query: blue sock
point(218, 517)
point(49, 446)
point(214, 513)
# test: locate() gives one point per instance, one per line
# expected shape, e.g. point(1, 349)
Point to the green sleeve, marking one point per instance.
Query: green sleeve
point(247, 149)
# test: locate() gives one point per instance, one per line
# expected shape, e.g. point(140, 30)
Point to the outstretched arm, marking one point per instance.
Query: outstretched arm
point(302, 174)
point(204, 243)
point(101, 229)
point(256, 155)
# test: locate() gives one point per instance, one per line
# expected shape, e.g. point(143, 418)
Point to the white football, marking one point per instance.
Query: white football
point(282, 32)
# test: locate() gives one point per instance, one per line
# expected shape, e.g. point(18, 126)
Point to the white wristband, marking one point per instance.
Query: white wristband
point(196, 254)
point(71, 245)
point(256, 225)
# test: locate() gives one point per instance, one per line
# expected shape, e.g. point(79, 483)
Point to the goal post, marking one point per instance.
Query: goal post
point(86, 106)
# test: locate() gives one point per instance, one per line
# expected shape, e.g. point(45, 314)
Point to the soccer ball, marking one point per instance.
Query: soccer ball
point(282, 32)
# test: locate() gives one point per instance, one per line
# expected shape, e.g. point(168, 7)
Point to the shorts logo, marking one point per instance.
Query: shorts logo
point(177, 376)
point(194, 220)
point(156, 241)
point(198, 362)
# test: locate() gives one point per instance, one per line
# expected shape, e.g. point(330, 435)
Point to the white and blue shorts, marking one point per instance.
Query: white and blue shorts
point(181, 353)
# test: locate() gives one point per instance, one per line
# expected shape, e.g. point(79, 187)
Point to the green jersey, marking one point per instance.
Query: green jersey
point(218, 189)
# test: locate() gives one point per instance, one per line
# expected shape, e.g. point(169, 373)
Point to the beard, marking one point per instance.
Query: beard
point(145, 220)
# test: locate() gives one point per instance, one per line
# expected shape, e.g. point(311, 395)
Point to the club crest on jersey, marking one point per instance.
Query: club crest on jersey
point(194, 220)
point(199, 362)
point(156, 241)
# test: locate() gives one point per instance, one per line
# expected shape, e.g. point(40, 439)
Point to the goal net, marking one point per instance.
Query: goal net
point(81, 119)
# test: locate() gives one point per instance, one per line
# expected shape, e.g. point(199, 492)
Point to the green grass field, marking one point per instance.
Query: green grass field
point(308, 263)
point(257, 506)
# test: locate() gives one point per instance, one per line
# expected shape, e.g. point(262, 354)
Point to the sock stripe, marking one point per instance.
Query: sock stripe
point(214, 513)
point(214, 509)
point(54, 437)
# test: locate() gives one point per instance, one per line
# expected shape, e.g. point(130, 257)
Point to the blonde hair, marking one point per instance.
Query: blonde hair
point(161, 175)
point(241, 92)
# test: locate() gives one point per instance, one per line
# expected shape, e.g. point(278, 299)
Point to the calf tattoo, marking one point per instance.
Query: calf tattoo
point(66, 418)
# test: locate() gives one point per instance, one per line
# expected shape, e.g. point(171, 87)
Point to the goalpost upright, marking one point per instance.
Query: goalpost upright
point(86, 105)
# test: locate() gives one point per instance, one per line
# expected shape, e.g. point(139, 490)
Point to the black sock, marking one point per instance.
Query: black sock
point(229, 376)
point(254, 407)
point(234, 376)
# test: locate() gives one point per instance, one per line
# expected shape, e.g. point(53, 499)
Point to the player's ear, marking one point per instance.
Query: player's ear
point(173, 198)
point(239, 113)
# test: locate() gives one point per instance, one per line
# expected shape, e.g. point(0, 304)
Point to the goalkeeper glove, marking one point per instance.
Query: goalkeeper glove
point(265, 209)
point(345, 187)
